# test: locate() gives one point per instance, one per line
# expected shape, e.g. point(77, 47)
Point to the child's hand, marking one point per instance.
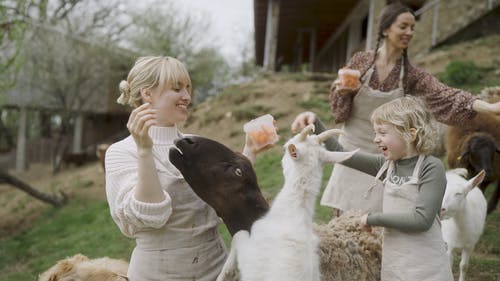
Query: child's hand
point(363, 225)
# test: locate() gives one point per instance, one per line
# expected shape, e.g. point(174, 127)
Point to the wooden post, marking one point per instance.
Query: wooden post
point(298, 51)
point(435, 23)
point(369, 28)
point(312, 49)
point(78, 133)
point(271, 44)
point(21, 161)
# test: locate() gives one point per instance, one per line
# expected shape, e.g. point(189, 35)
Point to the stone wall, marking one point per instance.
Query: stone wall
point(454, 15)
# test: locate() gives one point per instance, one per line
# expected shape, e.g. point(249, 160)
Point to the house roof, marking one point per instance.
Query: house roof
point(326, 15)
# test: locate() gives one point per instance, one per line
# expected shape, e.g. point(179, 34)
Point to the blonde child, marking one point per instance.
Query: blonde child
point(414, 183)
point(175, 231)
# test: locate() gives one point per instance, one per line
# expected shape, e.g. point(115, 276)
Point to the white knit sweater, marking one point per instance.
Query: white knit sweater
point(181, 221)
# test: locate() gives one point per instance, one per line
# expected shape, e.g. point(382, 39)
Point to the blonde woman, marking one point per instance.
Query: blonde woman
point(175, 231)
point(413, 183)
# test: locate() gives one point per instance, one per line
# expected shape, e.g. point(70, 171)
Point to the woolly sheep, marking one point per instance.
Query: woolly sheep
point(226, 180)
point(81, 268)
point(463, 214)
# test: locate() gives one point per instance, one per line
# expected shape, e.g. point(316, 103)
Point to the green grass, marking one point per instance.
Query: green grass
point(85, 226)
point(80, 227)
point(485, 261)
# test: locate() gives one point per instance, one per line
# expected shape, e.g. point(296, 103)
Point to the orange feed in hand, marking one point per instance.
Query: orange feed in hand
point(349, 78)
point(263, 136)
point(350, 82)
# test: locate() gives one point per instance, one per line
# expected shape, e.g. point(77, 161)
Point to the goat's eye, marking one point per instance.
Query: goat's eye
point(458, 194)
point(238, 172)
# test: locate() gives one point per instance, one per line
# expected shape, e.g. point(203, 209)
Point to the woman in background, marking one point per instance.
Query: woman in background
point(387, 74)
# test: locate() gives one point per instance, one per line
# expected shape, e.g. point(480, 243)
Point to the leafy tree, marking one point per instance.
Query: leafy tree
point(16, 16)
point(67, 56)
point(167, 30)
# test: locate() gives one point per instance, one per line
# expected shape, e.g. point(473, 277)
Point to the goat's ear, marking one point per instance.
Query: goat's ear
point(475, 181)
point(336, 157)
point(292, 150)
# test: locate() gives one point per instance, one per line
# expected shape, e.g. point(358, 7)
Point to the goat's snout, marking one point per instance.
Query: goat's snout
point(489, 175)
point(183, 140)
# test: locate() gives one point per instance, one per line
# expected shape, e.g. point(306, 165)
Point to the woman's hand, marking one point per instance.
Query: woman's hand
point(139, 122)
point(363, 224)
point(342, 91)
point(302, 120)
point(486, 107)
point(495, 108)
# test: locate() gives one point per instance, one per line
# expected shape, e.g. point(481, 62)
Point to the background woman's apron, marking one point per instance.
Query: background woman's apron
point(346, 188)
point(411, 256)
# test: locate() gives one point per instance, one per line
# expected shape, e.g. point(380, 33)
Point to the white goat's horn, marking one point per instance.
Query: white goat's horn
point(308, 129)
point(327, 134)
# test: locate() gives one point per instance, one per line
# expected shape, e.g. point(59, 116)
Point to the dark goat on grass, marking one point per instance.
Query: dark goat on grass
point(215, 172)
point(475, 146)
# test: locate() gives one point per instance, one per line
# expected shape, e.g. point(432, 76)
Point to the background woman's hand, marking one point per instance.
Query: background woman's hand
point(302, 120)
point(495, 108)
point(139, 122)
point(482, 106)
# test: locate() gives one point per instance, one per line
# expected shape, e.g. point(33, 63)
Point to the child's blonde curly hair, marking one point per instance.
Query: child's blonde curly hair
point(151, 72)
point(406, 113)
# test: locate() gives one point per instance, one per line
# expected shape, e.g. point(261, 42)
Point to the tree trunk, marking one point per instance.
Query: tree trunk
point(56, 201)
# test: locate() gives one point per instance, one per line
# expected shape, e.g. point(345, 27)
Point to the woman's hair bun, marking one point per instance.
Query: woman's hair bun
point(124, 93)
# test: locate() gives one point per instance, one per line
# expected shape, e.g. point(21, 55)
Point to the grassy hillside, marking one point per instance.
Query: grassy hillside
point(33, 236)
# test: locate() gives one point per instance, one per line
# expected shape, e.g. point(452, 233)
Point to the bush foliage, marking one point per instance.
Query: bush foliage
point(458, 73)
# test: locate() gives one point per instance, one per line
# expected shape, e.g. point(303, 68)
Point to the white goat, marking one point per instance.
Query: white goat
point(463, 213)
point(282, 245)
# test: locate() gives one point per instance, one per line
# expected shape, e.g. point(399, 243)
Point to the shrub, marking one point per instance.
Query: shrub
point(459, 73)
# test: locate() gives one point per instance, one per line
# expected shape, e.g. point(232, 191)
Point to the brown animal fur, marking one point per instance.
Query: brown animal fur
point(482, 125)
point(79, 267)
point(485, 123)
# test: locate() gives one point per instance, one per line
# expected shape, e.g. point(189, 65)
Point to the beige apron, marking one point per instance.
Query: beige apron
point(188, 247)
point(346, 189)
point(411, 256)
